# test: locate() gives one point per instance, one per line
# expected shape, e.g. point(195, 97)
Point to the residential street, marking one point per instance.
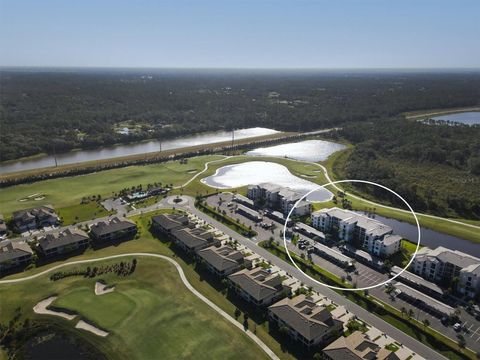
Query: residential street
point(363, 314)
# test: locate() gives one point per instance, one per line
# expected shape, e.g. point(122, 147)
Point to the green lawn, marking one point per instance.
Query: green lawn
point(82, 212)
point(65, 192)
point(150, 315)
point(27, 294)
point(334, 165)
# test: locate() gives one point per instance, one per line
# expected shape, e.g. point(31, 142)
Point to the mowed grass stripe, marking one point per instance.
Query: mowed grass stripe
point(150, 315)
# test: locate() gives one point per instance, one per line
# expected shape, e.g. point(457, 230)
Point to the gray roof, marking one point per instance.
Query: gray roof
point(304, 316)
point(391, 239)
point(171, 221)
point(221, 258)
point(11, 250)
point(332, 253)
point(193, 238)
point(445, 255)
point(431, 302)
point(417, 280)
point(257, 282)
point(115, 224)
point(58, 239)
point(355, 347)
point(269, 187)
point(244, 199)
point(371, 226)
point(249, 211)
point(289, 194)
point(310, 229)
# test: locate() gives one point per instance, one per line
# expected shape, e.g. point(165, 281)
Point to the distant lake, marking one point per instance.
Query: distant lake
point(468, 118)
point(308, 150)
point(430, 238)
point(131, 149)
point(257, 172)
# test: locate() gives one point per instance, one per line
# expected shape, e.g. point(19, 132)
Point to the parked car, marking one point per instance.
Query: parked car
point(457, 327)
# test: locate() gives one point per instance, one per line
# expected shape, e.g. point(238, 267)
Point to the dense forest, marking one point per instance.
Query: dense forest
point(436, 168)
point(46, 110)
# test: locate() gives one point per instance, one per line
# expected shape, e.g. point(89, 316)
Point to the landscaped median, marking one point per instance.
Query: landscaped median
point(412, 327)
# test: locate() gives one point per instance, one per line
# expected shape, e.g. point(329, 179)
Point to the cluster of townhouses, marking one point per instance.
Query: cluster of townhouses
point(17, 253)
point(449, 267)
point(362, 231)
point(32, 219)
point(278, 198)
point(311, 320)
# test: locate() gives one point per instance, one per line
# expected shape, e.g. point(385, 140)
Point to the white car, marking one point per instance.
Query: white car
point(457, 327)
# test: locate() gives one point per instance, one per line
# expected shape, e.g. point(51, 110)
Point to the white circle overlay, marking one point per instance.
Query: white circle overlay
point(351, 181)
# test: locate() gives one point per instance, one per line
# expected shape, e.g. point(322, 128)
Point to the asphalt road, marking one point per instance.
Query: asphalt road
point(363, 314)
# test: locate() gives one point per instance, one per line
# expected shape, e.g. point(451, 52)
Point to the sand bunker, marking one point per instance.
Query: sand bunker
point(42, 308)
point(88, 327)
point(101, 288)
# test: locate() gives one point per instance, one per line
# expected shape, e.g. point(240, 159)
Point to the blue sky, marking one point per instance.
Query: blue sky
point(241, 34)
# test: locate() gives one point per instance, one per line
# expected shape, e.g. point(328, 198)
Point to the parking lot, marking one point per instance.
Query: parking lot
point(362, 275)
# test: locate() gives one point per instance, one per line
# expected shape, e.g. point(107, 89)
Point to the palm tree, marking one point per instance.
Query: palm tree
point(403, 310)
point(426, 323)
point(410, 313)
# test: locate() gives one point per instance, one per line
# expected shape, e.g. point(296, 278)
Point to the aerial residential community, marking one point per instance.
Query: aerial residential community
point(224, 180)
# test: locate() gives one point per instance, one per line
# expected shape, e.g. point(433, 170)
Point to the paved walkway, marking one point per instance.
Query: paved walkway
point(415, 345)
point(184, 279)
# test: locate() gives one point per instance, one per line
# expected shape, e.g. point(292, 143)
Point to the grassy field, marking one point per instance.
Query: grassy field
point(82, 212)
point(66, 192)
point(335, 170)
point(145, 243)
point(150, 315)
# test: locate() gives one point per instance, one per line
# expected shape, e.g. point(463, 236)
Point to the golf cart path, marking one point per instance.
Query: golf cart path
point(184, 279)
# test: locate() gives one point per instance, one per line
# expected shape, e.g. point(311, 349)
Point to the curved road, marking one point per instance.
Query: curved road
point(325, 172)
point(184, 279)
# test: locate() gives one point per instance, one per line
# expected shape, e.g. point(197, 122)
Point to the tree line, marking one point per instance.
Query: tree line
point(43, 112)
point(436, 168)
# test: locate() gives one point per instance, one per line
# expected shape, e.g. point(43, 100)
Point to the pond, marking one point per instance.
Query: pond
point(257, 172)
point(431, 238)
point(131, 149)
point(308, 150)
point(468, 118)
point(53, 345)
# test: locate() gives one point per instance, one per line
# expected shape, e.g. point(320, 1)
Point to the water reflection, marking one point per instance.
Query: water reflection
point(308, 150)
point(257, 172)
point(132, 149)
point(431, 238)
point(468, 118)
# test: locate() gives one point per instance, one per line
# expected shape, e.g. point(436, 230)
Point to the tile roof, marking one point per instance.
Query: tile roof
point(304, 316)
point(113, 225)
point(221, 258)
point(63, 238)
point(257, 282)
point(11, 250)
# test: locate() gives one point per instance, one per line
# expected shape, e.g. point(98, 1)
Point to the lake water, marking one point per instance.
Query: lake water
point(257, 172)
point(431, 238)
point(468, 118)
point(308, 150)
point(131, 149)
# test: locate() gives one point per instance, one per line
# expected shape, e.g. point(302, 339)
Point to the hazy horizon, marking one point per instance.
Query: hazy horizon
point(247, 34)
